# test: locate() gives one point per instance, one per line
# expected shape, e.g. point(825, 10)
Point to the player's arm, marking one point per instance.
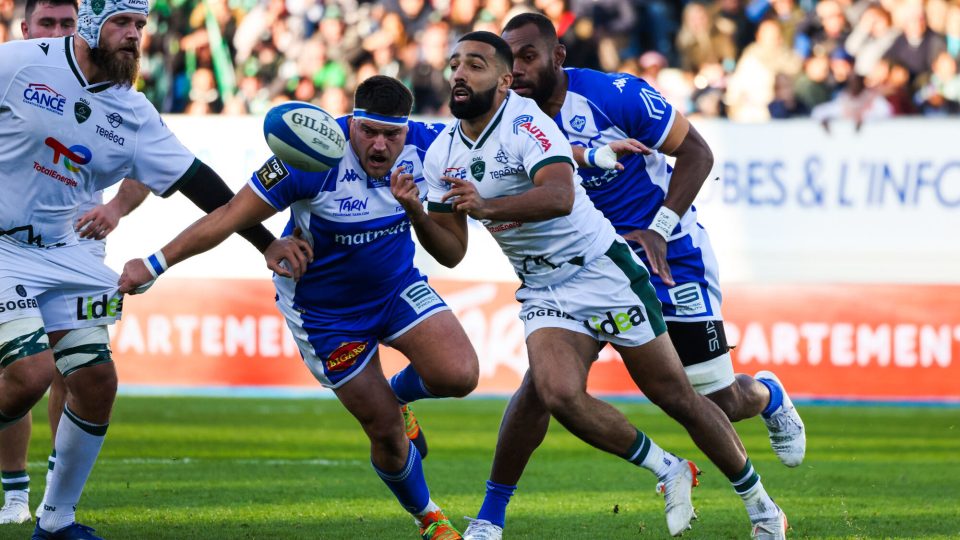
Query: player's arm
point(208, 191)
point(552, 196)
point(103, 219)
point(442, 232)
point(242, 212)
point(694, 162)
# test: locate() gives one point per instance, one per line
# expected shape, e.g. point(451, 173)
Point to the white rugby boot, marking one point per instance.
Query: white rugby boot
point(481, 529)
point(787, 434)
point(774, 528)
point(676, 489)
point(16, 508)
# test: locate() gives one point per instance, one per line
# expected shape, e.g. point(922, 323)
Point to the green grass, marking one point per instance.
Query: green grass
point(244, 468)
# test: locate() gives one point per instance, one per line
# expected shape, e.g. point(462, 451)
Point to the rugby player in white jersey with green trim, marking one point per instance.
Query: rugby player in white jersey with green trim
point(505, 163)
point(56, 297)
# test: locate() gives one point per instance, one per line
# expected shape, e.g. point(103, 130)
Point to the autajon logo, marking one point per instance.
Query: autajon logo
point(525, 122)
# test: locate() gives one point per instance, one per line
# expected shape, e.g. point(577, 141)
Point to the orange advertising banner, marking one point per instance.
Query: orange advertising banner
point(870, 342)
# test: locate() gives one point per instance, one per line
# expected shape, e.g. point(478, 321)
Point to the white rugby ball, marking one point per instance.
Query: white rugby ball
point(304, 136)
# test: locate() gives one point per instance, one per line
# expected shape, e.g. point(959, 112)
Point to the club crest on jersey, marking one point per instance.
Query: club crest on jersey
point(44, 97)
point(578, 122)
point(524, 123)
point(82, 111)
point(477, 168)
point(407, 166)
point(272, 172)
point(97, 6)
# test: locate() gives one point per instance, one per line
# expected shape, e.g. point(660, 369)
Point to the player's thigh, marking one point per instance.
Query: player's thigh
point(560, 360)
point(657, 371)
point(438, 348)
point(334, 348)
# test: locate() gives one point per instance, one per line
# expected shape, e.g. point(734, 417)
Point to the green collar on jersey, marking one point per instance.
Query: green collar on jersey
point(72, 62)
point(487, 131)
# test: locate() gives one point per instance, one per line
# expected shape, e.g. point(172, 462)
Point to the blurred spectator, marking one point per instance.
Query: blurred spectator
point(785, 103)
point(335, 101)
point(204, 98)
point(824, 30)
point(750, 88)
point(871, 38)
point(856, 103)
point(841, 66)
point(917, 46)
point(700, 42)
point(431, 89)
point(650, 64)
point(414, 14)
point(813, 86)
point(952, 29)
point(892, 79)
point(732, 20)
point(941, 95)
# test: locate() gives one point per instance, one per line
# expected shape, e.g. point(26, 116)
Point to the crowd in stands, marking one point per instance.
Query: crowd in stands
point(747, 60)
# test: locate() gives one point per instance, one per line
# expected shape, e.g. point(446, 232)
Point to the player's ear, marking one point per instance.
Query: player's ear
point(559, 54)
point(506, 81)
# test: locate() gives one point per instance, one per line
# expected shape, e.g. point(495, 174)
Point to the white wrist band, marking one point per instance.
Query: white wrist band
point(664, 222)
point(156, 264)
point(603, 157)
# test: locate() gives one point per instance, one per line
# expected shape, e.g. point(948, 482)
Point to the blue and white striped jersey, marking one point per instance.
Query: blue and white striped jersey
point(360, 234)
point(600, 108)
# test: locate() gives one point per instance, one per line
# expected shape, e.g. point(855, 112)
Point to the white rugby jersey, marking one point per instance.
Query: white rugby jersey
point(501, 162)
point(62, 140)
point(600, 108)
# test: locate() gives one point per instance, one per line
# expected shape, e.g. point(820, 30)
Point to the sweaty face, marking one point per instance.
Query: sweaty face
point(48, 21)
point(377, 145)
point(474, 79)
point(118, 56)
point(534, 70)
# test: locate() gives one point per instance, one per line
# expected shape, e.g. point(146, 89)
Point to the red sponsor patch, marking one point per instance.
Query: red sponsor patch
point(537, 134)
point(345, 355)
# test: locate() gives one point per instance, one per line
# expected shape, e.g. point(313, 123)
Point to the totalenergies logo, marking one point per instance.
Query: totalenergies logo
point(73, 156)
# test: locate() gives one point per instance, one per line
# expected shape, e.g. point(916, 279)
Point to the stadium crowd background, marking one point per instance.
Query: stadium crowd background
point(747, 60)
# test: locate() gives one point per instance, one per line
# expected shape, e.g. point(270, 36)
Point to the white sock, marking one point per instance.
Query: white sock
point(647, 454)
point(759, 505)
point(78, 445)
point(16, 495)
point(431, 507)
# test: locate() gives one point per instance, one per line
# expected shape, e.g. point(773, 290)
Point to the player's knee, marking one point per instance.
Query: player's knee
point(729, 401)
point(83, 357)
point(560, 399)
point(456, 381)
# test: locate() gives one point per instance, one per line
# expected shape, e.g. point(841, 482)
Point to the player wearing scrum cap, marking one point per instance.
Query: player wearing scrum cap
point(362, 288)
point(70, 125)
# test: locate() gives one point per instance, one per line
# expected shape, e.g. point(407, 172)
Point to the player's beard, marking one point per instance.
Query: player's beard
point(478, 104)
point(120, 69)
point(546, 83)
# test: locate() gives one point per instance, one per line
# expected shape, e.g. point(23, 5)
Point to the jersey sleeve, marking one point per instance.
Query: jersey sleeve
point(162, 162)
point(280, 185)
point(537, 141)
point(434, 167)
point(640, 110)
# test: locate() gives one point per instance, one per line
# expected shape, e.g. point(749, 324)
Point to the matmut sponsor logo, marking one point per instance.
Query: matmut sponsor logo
point(524, 123)
point(44, 97)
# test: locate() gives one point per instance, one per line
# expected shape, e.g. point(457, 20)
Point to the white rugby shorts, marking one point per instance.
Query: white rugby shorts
point(68, 287)
point(610, 299)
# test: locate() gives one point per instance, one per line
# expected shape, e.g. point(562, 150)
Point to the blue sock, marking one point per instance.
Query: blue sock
point(408, 386)
point(776, 397)
point(408, 484)
point(494, 507)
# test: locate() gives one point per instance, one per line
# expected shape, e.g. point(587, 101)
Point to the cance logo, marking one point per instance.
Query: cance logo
point(44, 97)
point(73, 156)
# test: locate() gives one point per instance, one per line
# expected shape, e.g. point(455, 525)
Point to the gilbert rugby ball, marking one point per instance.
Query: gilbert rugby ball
point(304, 136)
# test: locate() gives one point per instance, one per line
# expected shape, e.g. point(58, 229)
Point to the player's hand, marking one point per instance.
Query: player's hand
point(406, 192)
point(135, 279)
point(655, 248)
point(465, 198)
point(97, 223)
point(620, 148)
point(289, 256)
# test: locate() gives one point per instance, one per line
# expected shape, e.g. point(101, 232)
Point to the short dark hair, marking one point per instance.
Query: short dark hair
point(501, 48)
point(32, 6)
point(384, 95)
point(543, 24)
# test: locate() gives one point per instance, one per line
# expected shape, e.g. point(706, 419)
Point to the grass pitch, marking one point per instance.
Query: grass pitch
point(181, 468)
